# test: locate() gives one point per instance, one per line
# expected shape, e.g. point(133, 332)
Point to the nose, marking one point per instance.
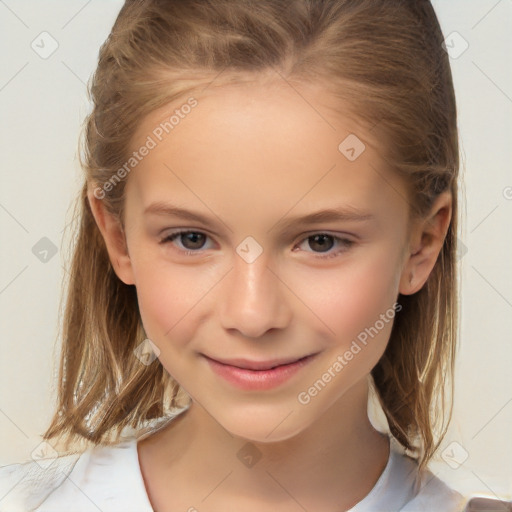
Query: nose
point(254, 300)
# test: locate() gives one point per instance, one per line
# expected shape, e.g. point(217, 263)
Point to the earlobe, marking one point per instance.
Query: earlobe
point(425, 244)
point(114, 238)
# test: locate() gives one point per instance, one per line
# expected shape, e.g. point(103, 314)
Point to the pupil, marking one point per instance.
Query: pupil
point(193, 238)
point(197, 240)
point(322, 246)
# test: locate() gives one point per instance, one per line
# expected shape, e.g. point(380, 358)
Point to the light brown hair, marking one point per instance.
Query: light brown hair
point(385, 59)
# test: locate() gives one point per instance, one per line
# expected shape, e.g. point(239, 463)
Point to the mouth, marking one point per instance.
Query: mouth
point(258, 375)
point(246, 364)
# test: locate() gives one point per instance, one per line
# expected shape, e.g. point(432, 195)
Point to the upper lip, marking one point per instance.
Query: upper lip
point(248, 364)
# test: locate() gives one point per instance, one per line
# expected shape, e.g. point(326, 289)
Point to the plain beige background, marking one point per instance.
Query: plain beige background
point(43, 103)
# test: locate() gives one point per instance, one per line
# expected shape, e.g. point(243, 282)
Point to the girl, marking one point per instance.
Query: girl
point(267, 234)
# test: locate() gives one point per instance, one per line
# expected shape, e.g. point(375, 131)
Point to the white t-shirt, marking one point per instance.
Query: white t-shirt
point(109, 479)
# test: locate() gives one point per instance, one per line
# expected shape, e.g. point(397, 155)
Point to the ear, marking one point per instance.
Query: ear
point(114, 237)
point(425, 243)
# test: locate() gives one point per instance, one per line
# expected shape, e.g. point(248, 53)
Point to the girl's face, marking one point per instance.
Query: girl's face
point(264, 278)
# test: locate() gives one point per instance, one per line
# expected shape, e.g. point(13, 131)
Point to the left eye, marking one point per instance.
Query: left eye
point(325, 242)
point(193, 241)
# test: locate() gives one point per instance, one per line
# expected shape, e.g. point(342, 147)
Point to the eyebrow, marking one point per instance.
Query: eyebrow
point(344, 213)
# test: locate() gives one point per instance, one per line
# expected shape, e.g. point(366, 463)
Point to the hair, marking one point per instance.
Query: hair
point(382, 58)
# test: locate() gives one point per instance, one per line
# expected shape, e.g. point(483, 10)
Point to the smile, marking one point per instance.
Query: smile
point(258, 375)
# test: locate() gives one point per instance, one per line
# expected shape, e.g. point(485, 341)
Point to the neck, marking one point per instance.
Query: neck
point(335, 461)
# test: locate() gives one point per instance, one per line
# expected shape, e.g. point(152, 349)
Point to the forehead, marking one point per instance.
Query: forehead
point(273, 146)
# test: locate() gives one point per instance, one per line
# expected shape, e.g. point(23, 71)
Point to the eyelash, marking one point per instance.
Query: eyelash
point(187, 252)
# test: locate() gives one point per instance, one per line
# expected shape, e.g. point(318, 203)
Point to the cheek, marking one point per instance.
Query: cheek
point(351, 298)
point(169, 299)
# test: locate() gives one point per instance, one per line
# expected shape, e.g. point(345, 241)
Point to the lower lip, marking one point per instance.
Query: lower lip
point(258, 379)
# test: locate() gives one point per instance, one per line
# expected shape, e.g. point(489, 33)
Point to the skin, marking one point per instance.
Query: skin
point(247, 157)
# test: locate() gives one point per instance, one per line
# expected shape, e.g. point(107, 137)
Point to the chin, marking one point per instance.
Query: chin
point(263, 434)
point(267, 425)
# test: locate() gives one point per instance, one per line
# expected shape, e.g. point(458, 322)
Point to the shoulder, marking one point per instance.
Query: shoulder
point(434, 494)
point(104, 478)
point(426, 492)
point(403, 487)
point(25, 485)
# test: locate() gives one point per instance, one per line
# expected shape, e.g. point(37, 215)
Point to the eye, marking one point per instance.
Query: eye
point(325, 242)
point(193, 241)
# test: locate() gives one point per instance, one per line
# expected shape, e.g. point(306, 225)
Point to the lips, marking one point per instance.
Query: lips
point(247, 364)
point(251, 375)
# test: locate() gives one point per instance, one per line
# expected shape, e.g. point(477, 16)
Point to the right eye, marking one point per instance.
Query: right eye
point(191, 241)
